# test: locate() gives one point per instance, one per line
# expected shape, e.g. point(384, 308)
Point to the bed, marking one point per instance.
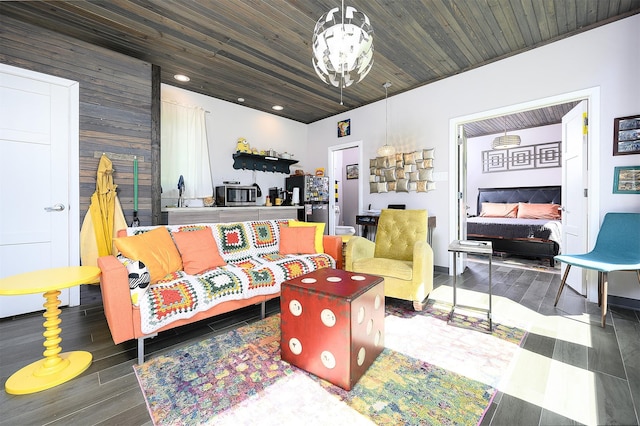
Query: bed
point(523, 221)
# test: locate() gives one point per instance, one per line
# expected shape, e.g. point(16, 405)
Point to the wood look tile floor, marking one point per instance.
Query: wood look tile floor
point(569, 371)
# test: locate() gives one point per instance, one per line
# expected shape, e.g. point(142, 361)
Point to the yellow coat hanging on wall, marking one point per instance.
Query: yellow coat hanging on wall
point(103, 218)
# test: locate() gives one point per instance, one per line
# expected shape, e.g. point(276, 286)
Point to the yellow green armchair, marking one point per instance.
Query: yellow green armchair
point(401, 255)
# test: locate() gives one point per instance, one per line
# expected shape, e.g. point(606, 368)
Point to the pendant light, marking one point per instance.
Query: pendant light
point(506, 141)
point(342, 47)
point(386, 150)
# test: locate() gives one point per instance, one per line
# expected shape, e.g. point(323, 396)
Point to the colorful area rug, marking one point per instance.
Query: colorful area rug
point(430, 372)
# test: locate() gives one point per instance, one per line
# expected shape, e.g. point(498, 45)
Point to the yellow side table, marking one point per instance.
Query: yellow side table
point(56, 368)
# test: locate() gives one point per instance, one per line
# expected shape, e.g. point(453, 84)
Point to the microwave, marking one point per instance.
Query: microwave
point(236, 195)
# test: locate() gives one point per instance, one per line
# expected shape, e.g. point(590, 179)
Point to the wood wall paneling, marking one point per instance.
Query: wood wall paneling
point(115, 106)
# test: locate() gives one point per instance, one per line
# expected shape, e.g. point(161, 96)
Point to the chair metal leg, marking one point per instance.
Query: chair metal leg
point(605, 283)
point(562, 283)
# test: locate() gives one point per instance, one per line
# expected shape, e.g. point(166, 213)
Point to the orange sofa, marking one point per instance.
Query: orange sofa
point(125, 319)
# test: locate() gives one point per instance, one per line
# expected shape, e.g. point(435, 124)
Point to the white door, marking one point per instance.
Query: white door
point(335, 163)
point(574, 191)
point(38, 180)
point(462, 195)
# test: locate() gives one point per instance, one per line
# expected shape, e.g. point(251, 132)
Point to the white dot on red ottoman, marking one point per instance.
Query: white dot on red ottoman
point(361, 355)
point(377, 338)
point(295, 307)
point(328, 317)
point(295, 346)
point(328, 360)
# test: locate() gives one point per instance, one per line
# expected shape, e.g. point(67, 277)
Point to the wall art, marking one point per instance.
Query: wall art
point(402, 172)
point(352, 171)
point(626, 180)
point(344, 127)
point(626, 135)
point(538, 156)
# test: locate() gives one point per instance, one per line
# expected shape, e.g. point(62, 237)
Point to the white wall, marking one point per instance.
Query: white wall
point(512, 178)
point(607, 57)
point(226, 122)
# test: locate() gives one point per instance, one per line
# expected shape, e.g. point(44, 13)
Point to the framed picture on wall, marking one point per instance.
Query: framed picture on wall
point(626, 135)
point(352, 171)
point(626, 180)
point(344, 128)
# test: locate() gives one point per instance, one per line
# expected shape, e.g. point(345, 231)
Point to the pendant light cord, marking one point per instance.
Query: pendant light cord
point(386, 86)
point(342, 54)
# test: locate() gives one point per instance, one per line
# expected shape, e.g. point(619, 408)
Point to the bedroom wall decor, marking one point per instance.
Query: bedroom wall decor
point(402, 172)
point(626, 180)
point(538, 156)
point(352, 171)
point(626, 135)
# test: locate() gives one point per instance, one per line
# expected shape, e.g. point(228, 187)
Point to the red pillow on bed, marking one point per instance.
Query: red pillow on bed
point(538, 211)
point(499, 210)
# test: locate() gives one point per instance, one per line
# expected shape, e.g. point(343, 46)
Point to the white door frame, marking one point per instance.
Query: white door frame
point(593, 96)
point(332, 150)
point(73, 88)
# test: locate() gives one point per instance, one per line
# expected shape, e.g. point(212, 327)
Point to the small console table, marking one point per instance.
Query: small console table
point(475, 247)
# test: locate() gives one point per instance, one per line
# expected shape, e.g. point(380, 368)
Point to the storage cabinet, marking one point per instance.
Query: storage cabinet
point(239, 215)
point(185, 216)
point(279, 213)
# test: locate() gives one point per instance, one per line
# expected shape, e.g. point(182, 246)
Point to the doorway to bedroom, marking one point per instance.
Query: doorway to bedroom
point(536, 162)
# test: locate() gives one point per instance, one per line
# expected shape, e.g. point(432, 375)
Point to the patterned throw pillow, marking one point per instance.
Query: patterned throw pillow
point(139, 278)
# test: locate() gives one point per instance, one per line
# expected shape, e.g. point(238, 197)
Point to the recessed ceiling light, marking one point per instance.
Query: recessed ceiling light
point(277, 107)
point(181, 77)
point(240, 99)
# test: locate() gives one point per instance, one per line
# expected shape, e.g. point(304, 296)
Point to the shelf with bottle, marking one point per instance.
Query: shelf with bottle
point(243, 160)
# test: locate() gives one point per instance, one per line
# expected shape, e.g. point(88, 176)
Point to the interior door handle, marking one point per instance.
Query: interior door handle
point(56, 208)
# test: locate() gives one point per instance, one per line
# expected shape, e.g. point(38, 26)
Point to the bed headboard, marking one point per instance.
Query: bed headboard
point(523, 194)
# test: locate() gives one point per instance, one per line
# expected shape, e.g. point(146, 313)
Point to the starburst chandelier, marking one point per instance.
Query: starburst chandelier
point(342, 47)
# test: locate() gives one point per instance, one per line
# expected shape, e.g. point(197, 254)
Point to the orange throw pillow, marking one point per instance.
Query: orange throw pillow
point(199, 251)
point(155, 249)
point(499, 210)
point(539, 211)
point(297, 240)
point(319, 227)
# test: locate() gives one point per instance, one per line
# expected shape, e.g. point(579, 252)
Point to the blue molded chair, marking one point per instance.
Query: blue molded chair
point(617, 249)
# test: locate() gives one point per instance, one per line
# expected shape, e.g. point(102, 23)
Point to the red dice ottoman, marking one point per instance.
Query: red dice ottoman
point(332, 323)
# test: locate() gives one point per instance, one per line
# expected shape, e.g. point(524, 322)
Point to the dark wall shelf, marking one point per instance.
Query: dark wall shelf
point(242, 160)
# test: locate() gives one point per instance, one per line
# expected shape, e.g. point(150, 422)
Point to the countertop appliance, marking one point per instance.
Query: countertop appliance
point(314, 196)
point(236, 195)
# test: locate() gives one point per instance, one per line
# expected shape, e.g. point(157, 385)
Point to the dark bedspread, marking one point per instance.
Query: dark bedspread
point(513, 228)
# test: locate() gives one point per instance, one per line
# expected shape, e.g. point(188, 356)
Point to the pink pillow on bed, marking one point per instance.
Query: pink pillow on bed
point(538, 211)
point(499, 210)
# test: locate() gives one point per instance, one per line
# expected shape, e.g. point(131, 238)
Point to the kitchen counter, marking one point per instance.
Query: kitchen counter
point(188, 209)
point(188, 215)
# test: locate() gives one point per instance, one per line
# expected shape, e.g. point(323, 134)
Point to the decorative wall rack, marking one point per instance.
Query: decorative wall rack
point(242, 160)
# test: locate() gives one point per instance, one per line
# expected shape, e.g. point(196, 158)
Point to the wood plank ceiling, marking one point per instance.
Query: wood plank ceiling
point(261, 50)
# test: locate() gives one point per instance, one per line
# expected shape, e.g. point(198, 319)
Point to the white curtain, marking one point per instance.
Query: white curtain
point(184, 151)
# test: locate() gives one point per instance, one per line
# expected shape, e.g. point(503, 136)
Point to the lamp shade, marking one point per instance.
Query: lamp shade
point(342, 46)
point(386, 151)
point(506, 141)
